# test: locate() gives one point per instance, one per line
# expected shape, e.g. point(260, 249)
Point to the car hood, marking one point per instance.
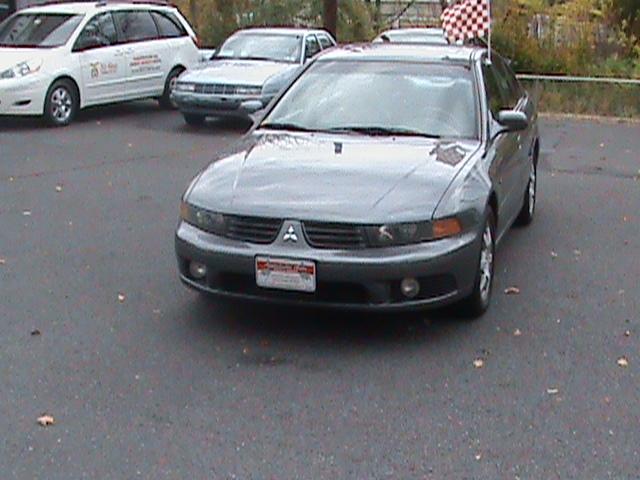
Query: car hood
point(10, 57)
point(343, 178)
point(243, 72)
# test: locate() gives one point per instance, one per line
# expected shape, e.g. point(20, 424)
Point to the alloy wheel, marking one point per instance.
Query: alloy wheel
point(486, 263)
point(61, 104)
point(532, 189)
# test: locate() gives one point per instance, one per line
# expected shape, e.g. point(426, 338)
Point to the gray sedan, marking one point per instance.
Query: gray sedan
point(251, 66)
point(392, 196)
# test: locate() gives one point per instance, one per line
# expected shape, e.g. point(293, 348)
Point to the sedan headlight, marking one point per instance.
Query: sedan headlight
point(22, 69)
point(248, 90)
point(409, 233)
point(203, 219)
point(185, 87)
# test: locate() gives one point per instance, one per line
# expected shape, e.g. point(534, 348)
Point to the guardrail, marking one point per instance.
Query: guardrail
point(569, 78)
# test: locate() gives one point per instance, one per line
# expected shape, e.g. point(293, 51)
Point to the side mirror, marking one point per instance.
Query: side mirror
point(251, 106)
point(512, 121)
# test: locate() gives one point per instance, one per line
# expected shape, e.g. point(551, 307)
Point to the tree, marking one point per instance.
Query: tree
point(331, 16)
point(628, 11)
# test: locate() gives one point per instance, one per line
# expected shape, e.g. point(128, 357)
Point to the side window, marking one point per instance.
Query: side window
point(100, 31)
point(311, 47)
point(516, 91)
point(136, 25)
point(495, 94)
point(324, 41)
point(168, 25)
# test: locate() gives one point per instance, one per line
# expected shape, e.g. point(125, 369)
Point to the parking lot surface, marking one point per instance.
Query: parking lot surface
point(146, 379)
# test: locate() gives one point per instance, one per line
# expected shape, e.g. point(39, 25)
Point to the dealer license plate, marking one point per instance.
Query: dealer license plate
point(286, 274)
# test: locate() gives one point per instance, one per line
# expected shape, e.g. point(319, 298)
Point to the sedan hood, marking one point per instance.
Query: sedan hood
point(10, 57)
point(342, 178)
point(240, 72)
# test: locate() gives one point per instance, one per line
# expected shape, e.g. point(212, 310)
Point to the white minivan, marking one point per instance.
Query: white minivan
point(56, 59)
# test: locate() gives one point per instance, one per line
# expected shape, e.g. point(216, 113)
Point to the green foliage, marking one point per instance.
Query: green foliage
point(216, 19)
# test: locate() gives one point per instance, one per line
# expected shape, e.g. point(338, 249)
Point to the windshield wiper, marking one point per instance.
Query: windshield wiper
point(287, 126)
point(383, 131)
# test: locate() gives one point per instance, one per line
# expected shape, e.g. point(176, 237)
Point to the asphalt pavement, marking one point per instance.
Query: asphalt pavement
point(146, 379)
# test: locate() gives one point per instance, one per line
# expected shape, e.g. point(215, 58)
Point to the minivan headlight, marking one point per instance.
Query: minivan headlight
point(22, 69)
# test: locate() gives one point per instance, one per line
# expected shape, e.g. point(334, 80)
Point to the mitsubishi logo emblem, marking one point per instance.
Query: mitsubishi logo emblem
point(290, 235)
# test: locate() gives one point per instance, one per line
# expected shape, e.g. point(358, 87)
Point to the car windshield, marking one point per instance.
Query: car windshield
point(380, 98)
point(44, 30)
point(262, 46)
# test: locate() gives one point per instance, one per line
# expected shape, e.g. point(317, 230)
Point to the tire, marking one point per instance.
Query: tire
point(169, 84)
point(525, 217)
point(193, 120)
point(476, 304)
point(61, 103)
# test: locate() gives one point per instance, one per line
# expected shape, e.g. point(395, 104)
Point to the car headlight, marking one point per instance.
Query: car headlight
point(185, 87)
point(203, 219)
point(248, 90)
point(408, 233)
point(22, 69)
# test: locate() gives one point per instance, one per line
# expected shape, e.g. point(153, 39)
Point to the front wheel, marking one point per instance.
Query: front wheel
point(478, 302)
point(525, 217)
point(193, 119)
point(61, 103)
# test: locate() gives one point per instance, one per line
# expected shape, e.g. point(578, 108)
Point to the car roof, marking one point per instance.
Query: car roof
point(425, 30)
point(281, 30)
point(404, 52)
point(87, 8)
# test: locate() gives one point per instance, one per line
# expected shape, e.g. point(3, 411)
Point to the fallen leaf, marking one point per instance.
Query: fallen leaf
point(512, 291)
point(478, 456)
point(26, 213)
point(11, 179)
point(602, 145)
point(245, 350)
point(58, 188)
point(121, 297)
point(627, 333)
point(552, 391)
point(623, 362)
point(129, 145)
point(517, 332)
point(478, 363)
point(3, 261)
point(577, 252)
point(156, 311)
point(625, 219)
point(45, 420)
point(35, 332)
point(554, 254)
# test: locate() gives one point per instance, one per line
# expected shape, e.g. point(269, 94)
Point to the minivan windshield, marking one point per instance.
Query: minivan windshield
point(380, 98)
point(38, 30)
point(262, 46)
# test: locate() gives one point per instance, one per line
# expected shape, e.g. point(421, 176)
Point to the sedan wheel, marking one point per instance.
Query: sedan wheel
point(525, 217)
point(478, 302)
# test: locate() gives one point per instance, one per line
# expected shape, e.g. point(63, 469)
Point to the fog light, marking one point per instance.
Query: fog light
point(197, 270)
point(410, 287)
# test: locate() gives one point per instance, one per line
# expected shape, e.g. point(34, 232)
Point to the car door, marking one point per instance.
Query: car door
point(102, 60)
point(503, 148)
point(144, 54)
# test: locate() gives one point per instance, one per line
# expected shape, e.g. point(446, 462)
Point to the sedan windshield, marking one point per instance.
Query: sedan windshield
point(261, 46)
point(380, 98)
point(45, 30)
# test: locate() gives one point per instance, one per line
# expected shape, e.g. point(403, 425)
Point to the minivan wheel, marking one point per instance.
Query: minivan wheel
point(61, 103)
point(478, 302)
point(169, 85)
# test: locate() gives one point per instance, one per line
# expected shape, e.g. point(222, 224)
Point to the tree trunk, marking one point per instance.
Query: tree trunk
point(331, 17)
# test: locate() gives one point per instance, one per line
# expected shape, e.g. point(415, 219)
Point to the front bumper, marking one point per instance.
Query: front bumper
point(214, 105)
point(352, 279)
point(22, 96)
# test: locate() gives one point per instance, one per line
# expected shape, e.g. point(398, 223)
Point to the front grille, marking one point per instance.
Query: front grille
point(216, 89)
point(334, 235)
point(252, 229)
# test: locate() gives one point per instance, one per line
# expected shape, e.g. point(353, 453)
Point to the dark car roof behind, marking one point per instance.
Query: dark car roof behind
point(406, 52)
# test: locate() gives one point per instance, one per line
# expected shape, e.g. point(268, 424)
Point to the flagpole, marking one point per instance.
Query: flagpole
point(490, 29)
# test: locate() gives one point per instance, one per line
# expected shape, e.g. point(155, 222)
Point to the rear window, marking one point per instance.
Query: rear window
point(168, 25)
point(38, 30)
